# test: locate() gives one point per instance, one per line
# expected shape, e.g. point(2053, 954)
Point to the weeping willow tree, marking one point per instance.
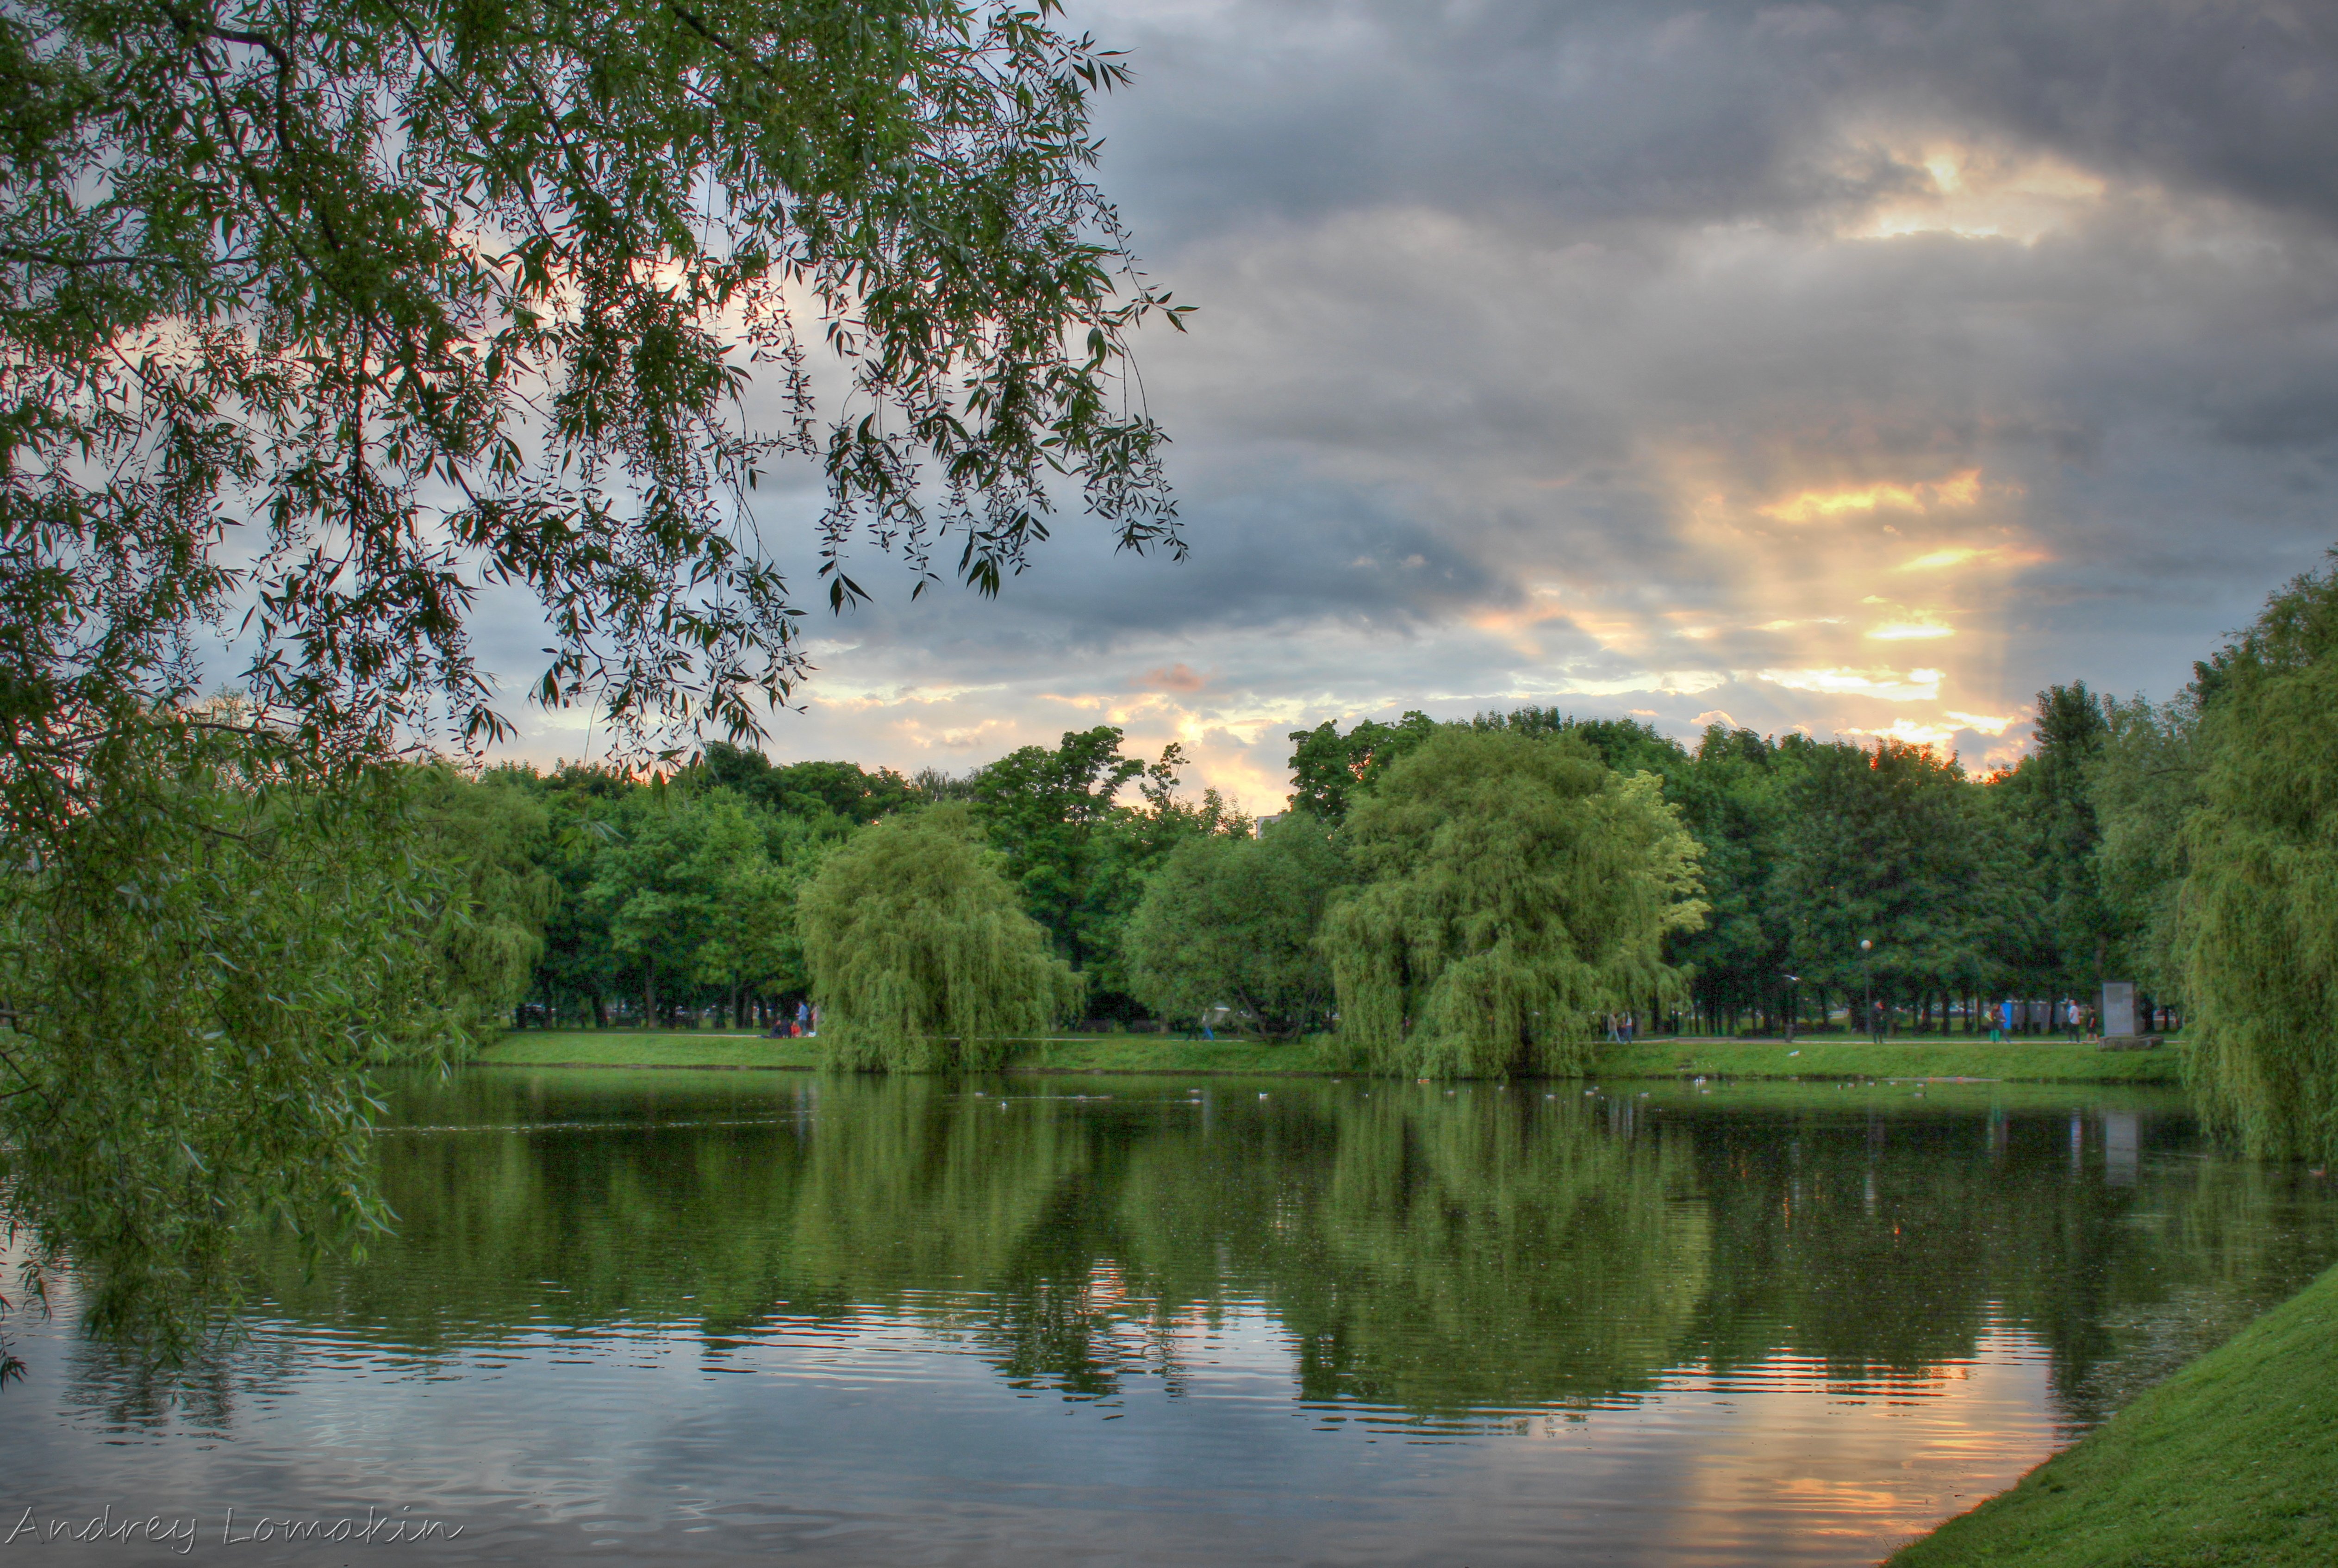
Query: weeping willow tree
point(489, 838)
point(1516, 889)
point(201, 963)
point(2258, 912)
point(922, 957)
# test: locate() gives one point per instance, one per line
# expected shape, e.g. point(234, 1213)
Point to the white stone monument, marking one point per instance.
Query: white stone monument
point(2118, 1009)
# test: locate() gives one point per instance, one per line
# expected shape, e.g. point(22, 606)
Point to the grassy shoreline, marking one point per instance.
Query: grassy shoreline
point(2232, 1460)
point(2013, 1061)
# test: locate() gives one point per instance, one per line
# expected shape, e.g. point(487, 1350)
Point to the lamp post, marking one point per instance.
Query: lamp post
point(1792, 997)
point(1867, 970)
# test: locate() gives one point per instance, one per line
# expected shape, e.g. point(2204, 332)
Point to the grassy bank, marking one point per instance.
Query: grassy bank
point(648, 1048)
point(1083, 1054)
point(2232, 1461)
point(2024, 1063)
point(2032, 1062)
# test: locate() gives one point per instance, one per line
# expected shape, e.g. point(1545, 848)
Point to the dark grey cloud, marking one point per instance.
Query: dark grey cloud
point(1681, 113)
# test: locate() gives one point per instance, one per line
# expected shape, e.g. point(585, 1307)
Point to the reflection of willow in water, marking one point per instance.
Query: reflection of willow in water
point(1493, 1250)
point(1440, 1257)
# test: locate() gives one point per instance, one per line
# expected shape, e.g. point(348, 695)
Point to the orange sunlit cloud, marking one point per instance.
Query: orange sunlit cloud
point(1961, 489)
point(1179, 677)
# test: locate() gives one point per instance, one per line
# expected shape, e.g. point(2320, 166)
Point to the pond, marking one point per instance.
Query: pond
point(712, 1317)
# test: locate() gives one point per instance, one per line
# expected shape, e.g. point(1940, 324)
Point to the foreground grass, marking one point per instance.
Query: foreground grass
point(2016, 1062)
point(2232, 1461)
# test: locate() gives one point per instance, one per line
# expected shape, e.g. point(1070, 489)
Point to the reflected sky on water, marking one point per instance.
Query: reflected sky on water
point(717, 1316)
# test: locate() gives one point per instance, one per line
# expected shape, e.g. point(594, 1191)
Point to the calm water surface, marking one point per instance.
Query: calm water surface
point(686, 1317)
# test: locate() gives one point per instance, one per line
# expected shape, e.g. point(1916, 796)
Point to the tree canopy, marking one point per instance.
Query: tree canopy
point(1231, 921)
point(2258, 912)
point(198, 979)
point(440, 297)
point(920, 953)
point(1515, 887)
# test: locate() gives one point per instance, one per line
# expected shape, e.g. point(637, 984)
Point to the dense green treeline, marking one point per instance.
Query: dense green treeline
point(1478, 910)
point(1964, 887)
point(690, 894)
point(1465, 897)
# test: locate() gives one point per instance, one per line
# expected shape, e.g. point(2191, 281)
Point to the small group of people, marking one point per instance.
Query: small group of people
point(1623, 1028)
point(804, 1026)
point(2072, 1019)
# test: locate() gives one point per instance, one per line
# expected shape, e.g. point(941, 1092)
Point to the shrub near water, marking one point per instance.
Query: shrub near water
point(1517, 889)
point(922, 957)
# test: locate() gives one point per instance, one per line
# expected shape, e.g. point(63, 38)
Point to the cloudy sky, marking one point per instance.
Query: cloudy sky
point(1854, 369)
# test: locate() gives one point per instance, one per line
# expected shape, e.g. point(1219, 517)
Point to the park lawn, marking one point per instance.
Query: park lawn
point(1072, 1054)
point(647, 1048)
point(2028, 1063)
point(2035, 1061)
point(2232, 1461)
point(1167, 1054)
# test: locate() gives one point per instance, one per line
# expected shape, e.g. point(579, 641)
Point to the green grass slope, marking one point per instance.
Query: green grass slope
point(2232, 1461)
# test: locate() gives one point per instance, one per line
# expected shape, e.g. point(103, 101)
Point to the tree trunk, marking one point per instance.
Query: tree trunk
point(649, 993)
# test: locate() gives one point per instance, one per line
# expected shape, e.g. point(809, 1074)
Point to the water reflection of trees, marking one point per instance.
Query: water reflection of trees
point(1433, 1256)
point(1493, 1250)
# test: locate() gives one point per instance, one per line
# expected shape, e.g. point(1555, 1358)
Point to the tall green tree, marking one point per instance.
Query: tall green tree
point(578, 968)
point(1077, 850)
point(1328, 769)
point(2048, 799)
point(2145, 785)
point(1515, 889)
point(2257, 920)
point(922, 957)
point(1231, 921)
point(1891, 844)
point(664, 883)
point(422, 299)
point(1734, 796)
